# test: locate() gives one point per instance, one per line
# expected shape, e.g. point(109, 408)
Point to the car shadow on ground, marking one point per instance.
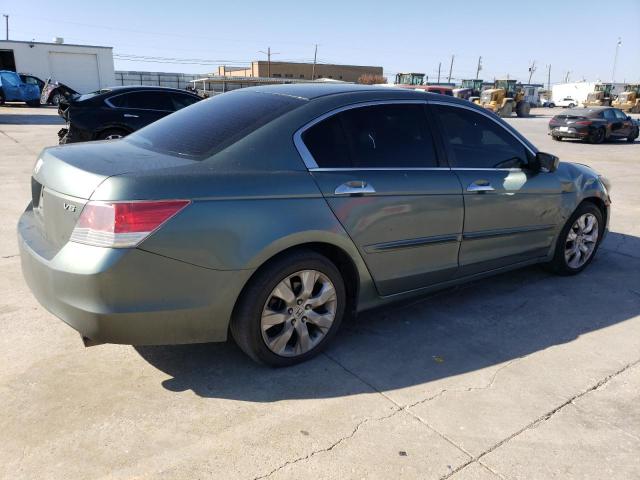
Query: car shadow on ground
point(606, 143)
point(456, 331)
point(29, 119)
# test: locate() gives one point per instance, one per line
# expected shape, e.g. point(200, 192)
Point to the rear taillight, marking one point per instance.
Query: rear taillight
point(583, 122)
point(123, 224)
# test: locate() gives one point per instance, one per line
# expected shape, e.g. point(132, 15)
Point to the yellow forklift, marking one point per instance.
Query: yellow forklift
point(629, 100)
point(504, 98)
point(600, 97)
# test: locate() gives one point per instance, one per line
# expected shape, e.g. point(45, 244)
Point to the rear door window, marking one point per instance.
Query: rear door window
point(609, 115)
point(378, 136)
point(152, 100)
point(180, 100)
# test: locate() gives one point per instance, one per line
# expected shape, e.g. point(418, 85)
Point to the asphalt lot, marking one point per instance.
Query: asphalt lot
point(524, 375)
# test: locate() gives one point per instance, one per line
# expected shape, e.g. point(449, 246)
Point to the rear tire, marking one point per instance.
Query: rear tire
point(556, 138)
point(552, 105)
point(571, 105)
point(1, 97)
point(578, 242)
point(56, 98)
point(280, 332)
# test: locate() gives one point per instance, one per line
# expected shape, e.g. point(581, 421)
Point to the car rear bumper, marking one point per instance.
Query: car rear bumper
point(571, 133)
point(128, 296)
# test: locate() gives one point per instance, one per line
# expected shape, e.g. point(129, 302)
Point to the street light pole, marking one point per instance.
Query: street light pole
point(315, 57)
point(6, 22)
point(615, 60)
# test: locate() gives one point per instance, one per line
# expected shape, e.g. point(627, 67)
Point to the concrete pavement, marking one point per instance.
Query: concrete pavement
point(521, 376)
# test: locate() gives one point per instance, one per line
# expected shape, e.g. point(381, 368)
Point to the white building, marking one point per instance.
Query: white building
point(84, 68)
point(579, 90)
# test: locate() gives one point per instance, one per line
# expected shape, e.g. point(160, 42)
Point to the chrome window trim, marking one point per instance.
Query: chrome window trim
point(467, 169)
point(375, 169)
point(491, 117)
point(312, 166)
point(304, 152)
point(108, 102)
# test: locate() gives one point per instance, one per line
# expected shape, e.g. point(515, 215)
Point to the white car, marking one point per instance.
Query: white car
point(567, 102)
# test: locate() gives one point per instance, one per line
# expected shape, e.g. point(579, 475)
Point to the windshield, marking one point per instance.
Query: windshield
point(209, 126)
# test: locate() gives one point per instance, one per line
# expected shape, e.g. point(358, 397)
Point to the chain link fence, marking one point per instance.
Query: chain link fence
point(155, 79)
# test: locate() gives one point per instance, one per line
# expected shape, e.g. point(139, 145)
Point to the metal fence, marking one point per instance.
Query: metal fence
point(155, 79)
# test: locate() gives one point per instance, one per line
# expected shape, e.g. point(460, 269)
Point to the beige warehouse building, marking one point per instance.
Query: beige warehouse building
point(305, 71)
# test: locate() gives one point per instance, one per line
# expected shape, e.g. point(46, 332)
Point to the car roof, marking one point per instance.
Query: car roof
point(311, 91)
point(133, 88)
point(584, 112)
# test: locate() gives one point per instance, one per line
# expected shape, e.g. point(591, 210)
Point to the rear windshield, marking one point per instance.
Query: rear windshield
point(203, 129)
point(87, 96)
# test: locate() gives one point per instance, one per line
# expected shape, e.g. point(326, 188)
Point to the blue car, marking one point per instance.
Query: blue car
point(13, 89)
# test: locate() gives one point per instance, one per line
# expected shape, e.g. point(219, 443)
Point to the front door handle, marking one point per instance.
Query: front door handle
point(355, 187)
point(480, 186)
point(130, 115)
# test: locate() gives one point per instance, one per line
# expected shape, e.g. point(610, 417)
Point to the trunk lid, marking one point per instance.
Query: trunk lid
point(65, 177)
point(566, 119)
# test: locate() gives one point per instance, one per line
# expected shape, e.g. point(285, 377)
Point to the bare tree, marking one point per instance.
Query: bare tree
point(370, 79)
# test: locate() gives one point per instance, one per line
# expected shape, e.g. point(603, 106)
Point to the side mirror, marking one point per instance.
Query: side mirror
point(545, 162)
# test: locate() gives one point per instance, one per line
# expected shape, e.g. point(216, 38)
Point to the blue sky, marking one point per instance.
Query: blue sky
point(573, 36)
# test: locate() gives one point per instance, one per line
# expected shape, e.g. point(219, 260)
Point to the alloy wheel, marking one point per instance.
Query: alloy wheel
point(298, 313)
point(581, 240)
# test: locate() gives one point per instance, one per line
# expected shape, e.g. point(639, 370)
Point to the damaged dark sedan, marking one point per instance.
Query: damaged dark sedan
point(113, 113)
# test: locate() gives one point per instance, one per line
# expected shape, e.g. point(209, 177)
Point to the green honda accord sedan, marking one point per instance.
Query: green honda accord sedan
point(272, 213)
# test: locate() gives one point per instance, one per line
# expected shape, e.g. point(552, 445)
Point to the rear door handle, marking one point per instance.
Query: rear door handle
point(131, 115)
point(480, 186)
point(355, 187)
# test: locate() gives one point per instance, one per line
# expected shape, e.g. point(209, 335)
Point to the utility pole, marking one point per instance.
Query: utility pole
point(615, 60)
point(6, 22)
point(439, 66)
point(532, 70)
point(566, 77)
point(549, 77)
point(268, 54)
point(451, 68)
point(479, 67)
point(315, 57)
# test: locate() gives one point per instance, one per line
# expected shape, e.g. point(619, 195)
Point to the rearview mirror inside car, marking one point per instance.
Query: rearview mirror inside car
point(545, 162)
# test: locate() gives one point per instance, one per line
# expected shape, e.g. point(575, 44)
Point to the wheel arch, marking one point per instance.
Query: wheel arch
point(598, 202)
point(99, 132)
point(343, 261)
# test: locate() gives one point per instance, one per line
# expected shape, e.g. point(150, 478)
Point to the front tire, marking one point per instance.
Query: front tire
point(631, 138)
point(597, 136)
point(523, 109)
point(578, 241)
point(290, 310)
